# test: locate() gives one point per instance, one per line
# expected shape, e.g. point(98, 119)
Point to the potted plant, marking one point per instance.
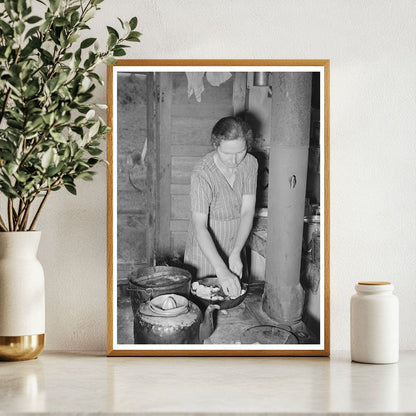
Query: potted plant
point(50, 137)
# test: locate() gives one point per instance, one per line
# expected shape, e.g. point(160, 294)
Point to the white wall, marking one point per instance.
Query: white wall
point(371, 45)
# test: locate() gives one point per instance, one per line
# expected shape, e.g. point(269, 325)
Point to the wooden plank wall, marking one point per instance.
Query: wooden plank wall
point(132, 217)
point(190, 130)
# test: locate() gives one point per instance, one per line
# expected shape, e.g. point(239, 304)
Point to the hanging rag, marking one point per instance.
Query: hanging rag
point(195, 84)
point(217, 78)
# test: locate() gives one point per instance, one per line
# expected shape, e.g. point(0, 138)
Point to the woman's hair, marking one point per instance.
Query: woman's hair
point(231, 128)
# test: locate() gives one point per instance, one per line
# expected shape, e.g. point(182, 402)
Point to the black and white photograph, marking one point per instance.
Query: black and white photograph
point(218, 208)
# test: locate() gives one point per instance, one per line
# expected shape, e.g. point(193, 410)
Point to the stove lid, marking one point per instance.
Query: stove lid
point(268, 334)
point(168, 305)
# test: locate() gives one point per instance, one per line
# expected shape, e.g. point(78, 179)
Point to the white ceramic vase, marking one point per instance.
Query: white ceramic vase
point(22, 296)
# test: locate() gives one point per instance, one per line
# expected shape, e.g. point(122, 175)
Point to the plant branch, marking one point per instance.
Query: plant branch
point(2, 225)
point(10, 213)
point(35, 145)
point(39, 209)
point(21, 212)
point(26, 216)
point(6, 99)
point(18, 216)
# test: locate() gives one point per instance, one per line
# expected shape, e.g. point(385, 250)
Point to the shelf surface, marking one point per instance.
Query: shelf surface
point(89, 383)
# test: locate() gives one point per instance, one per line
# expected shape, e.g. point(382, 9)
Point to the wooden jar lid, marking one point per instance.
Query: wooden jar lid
point(374, 283)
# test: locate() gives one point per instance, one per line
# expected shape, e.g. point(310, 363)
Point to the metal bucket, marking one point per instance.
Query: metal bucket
point(312, 226)
point(150, 282)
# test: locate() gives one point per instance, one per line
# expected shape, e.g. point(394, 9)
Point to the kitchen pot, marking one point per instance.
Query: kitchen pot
point(150, 282)
point(172, 319)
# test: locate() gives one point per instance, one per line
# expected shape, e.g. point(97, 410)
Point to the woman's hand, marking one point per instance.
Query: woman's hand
point(229, 282)
point(235, 264)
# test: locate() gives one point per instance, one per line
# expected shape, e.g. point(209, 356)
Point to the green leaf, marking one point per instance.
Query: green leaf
point(70, 188)
point(6, 29)
point(90, 115)
point(52, 171)
point(27, 11)
point(82, 98)
point(8, 191)
point(119, 52)
point(46, 56)
point(32, 45)
point(31, 90)
point(16, 124)
point(67, 56)
point(121, 22)
point(77, 130)
point(31, 31)
point(10, 8)
point(5, 146)
point(60, 138)
point(112, 41)
point(11, 168)
point(20, 28)
point(47, 158)
point(54, 4)
point(21, 177)
point(133, 23)
point(78, 154)
point(94, 129)
point(61, 21)
point(133, 37)
point(88, 16)
point(64, 93)
point(96, 77)
point(74, 18)
point(35, 125)
point(67, 153)
point(92, 161)
point(33, 19)
point(87, 42)
point(73, 38)
point(63, 41)
point(21, 6)
point(48, 118)
point(110, 60)
point(53, 83)
point(86, 176)
point(94, 151)
point(82, 166)
point(112, 31)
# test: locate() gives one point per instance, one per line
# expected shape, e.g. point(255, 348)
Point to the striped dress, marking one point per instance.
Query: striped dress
point(211, 194)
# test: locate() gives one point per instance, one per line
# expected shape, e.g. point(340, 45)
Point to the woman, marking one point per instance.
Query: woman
point(223, 199)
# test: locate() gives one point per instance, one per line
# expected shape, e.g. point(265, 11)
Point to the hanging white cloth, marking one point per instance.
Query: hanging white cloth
point(195, 84)
point(217, 78)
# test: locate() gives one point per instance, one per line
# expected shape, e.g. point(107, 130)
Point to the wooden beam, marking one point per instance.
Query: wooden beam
point(239, 92)
point(151, 170)
point(165, 163)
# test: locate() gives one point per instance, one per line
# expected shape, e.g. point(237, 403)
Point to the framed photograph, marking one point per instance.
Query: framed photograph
point(218, 208)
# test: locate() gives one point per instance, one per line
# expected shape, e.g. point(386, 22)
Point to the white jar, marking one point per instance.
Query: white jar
point(374, 323)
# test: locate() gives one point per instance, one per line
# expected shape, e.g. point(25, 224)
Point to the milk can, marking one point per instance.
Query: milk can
point(374, 323)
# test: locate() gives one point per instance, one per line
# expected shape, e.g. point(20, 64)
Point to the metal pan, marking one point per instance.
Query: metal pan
point(227, 303)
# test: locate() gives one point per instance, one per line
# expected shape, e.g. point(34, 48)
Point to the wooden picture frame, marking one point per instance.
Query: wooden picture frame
point(161, 113)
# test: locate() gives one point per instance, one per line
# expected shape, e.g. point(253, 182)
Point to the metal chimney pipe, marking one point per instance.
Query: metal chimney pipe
point(283, 296)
